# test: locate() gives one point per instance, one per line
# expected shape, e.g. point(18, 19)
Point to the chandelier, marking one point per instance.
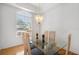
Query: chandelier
point(39, 16)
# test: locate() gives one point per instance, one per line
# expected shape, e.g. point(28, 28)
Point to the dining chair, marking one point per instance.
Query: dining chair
point(27, 49)
point(50, 39)
point(68, 44)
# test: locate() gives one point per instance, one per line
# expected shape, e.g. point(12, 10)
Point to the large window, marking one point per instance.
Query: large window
point(24, 22)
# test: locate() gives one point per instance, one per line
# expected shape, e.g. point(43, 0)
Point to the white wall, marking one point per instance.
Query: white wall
point(8, 27)
point(0, 25)
point(64, 19)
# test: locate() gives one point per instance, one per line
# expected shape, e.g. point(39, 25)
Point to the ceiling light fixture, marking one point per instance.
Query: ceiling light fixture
point(39, 16)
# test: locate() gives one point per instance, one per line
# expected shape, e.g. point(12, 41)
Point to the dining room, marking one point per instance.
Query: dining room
point(39, 28)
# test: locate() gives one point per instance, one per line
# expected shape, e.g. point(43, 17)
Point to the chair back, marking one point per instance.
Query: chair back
point(50, 40)
point(50, 36)
point(27, 49)
point(68, 44)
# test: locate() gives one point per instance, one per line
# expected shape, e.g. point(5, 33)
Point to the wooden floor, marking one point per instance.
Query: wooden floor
point(16, 49)
point(12, 50)
point(62, 52)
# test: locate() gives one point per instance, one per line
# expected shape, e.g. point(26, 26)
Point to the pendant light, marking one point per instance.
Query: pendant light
point(39, 16)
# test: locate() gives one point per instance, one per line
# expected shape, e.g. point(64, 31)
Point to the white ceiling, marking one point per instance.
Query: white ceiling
point(45, 6)
point(25, 6)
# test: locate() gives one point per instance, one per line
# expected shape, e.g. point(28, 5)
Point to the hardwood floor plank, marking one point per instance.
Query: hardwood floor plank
point(19, 48)
point(12, 50)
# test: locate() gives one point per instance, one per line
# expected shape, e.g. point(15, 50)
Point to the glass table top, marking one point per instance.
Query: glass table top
point(49, 48)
